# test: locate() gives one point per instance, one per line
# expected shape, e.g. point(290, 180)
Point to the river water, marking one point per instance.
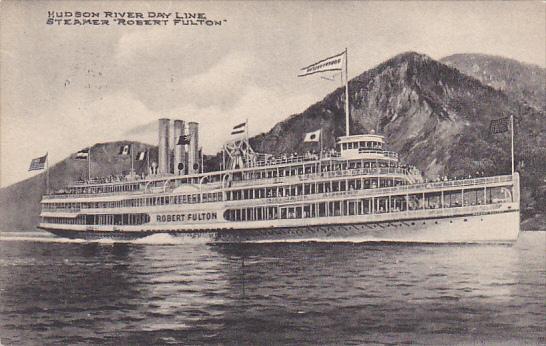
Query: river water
point(158, 290)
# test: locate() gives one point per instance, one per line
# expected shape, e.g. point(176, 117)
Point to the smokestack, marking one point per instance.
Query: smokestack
point(179, 165)
point(163, 155)
point(193, 151)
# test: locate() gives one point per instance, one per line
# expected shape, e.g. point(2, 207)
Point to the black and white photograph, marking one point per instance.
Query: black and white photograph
point(272, 172)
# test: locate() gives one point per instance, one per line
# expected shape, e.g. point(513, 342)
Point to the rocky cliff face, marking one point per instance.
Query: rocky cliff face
point(436, 117)
point(521, 81)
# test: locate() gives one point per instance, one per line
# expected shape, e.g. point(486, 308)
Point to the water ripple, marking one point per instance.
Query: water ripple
point(163, 291)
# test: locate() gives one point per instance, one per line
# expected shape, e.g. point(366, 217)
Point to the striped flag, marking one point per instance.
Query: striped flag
point(499, 125)
point(238, 129)
point(82, 154)
point(38, 163)
point(333, 63)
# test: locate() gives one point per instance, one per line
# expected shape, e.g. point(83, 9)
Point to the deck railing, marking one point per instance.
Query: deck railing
point(328, 174)
point(362, 193)
point(414, 188)
point(386, 153)
point(101, 194)
point(345, 173)
point(272, 161)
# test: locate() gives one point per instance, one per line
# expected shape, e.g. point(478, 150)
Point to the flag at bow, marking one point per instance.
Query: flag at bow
point(333, 63)
point(312, 136)
point(125, 149)
point(38, 163)
point(238, 129)
point(82, 154)
point(183, 140)
point(499, 125)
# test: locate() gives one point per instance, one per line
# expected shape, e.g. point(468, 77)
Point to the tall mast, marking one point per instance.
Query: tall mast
point(202, 161)
point(148, 161)
point(89, 164)
point(246, 128)
point(512, 136)
point(132, 164)
point(320, 152)
point(47, 173)
point(347, 133)
point(224, 157)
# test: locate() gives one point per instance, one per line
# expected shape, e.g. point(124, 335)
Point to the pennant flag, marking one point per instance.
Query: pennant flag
point(82, 154)
point(38, 163)
point(333, 63)
point(312, 136)
point(125, 149)
point(499, 125)
point(183, 140)
point(141, 156)
point(238, 129)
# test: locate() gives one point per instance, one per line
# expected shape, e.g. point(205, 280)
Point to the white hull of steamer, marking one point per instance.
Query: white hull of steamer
point(497, 223)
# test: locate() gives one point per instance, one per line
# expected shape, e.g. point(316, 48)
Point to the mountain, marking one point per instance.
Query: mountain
point(436, 117)
point(521, 81)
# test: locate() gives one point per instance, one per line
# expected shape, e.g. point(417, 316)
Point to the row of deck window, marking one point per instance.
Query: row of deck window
point(135, 202)
point(379, 205)
point(106, 188)
point(311, 168)
point(313, 188)
point(367, 144)
point(101, 219)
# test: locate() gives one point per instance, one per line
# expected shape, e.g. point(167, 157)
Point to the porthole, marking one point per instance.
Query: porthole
point(465, 220)
point(413, 223)
point(436, 222)
point(450, 221)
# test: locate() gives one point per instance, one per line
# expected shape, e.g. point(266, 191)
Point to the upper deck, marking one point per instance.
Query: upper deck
point(254, 176)
point(362, 154)
point(369, 146)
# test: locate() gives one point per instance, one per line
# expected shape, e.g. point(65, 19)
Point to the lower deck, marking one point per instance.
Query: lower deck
point(500, 226)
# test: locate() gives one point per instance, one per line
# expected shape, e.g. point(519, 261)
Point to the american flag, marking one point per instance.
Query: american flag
point(499, 125)
point(38, 163)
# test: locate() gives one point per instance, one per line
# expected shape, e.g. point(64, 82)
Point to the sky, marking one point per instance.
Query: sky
point(66, 87)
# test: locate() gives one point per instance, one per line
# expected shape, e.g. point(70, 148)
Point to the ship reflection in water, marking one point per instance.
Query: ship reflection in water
point(158, 291)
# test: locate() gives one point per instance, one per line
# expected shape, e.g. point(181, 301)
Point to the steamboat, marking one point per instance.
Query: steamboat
point(357, 192)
